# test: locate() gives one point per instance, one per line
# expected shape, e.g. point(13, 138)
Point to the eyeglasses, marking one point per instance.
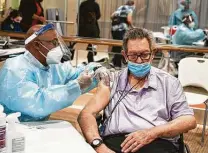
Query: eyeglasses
point(143, 56)
point(54, 42)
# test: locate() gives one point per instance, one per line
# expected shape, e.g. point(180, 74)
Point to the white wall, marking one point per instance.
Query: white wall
point(12, 3)
point(54, 4)
point(70, 9)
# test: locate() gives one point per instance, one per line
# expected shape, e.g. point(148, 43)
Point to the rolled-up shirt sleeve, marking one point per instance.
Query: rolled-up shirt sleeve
point(178, 103)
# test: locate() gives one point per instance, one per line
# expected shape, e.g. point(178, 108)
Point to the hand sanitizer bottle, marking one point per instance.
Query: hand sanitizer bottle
point(2, 130)
point(15, 140)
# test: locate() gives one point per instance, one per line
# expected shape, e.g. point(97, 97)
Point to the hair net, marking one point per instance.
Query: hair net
point(188, 1)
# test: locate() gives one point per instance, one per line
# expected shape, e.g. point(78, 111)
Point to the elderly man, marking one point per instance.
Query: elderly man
point(37, 83)
point(145, 108)
point(184, 8)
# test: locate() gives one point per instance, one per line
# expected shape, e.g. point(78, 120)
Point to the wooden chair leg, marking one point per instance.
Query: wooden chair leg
point(204, 124)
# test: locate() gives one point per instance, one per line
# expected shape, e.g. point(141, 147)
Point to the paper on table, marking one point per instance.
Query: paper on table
point(53, 140)
point(11, 51)
point(160, 35)
point(2, 52)
point(198, 43)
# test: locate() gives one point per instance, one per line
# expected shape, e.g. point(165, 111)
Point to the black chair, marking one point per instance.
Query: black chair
point(183, 147)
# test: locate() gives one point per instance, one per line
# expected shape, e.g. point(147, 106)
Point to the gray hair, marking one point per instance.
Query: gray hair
point(138, 33)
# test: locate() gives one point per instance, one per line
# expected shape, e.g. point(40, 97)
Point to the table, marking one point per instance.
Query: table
point(53, 137)
point(111, 42)
point(12, 51)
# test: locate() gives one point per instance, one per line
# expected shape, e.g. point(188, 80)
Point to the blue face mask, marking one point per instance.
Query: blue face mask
point(139, 70)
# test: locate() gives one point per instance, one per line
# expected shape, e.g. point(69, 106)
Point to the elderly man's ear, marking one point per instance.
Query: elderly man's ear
point(154, 51)
point(125, 60)
point(124, 54)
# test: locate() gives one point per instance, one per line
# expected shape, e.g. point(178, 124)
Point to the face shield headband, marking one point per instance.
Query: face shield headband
point(66, 52)
point(187, 1)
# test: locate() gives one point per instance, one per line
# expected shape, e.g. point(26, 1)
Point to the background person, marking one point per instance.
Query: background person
point(145, 107)
point(37, 83)
point(186, 35)
point(12, 22)
point(121, 22)
point(184, 8)
point(89, 14)
point(32, 13)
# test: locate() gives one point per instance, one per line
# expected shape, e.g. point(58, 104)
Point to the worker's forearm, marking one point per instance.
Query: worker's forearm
point(36, 17)
point(175, 127)
point(89, 126)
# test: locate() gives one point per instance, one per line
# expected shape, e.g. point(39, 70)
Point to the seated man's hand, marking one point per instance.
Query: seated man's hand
point(103, 149)
point(137, 140)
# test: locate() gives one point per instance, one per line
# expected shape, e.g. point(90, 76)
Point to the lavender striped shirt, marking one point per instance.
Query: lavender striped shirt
point(158, 102)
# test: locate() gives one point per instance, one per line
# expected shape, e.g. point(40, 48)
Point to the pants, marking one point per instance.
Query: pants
point(91, 53)
point(158, 146)
point(89, 30)
point(117, 59)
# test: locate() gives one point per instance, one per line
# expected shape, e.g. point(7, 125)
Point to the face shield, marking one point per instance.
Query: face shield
point(50, 36)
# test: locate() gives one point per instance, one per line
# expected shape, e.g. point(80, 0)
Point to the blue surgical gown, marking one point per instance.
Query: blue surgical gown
point(176, 17)
point(185, 36)
point(36, 91)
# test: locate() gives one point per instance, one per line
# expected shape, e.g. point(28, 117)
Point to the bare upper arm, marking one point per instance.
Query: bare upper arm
point(99, 101)
point(129, 18)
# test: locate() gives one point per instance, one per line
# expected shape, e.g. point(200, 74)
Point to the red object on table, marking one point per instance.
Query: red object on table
point(172, 30)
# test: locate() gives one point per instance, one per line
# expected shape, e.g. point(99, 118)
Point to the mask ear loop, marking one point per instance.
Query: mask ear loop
point(124, 60)
point(43, 47)
point(151, 56)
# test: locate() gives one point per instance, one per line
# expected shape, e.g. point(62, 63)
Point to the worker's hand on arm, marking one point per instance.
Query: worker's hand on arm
point(104, 75)
point(138, 139)
point(100, 72)
point(92, 66)
point(84, 80)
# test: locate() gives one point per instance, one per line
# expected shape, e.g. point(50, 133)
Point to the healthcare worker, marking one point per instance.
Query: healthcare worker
point(186, 35)
point(184, 8)
point(37, 83)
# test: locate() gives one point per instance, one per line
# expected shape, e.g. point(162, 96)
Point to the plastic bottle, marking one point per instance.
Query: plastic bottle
point(2, 130)
point(15, 140)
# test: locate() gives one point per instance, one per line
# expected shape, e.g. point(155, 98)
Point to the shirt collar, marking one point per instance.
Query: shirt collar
point(123, 77)
point(34, 61)
point(152, 79)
